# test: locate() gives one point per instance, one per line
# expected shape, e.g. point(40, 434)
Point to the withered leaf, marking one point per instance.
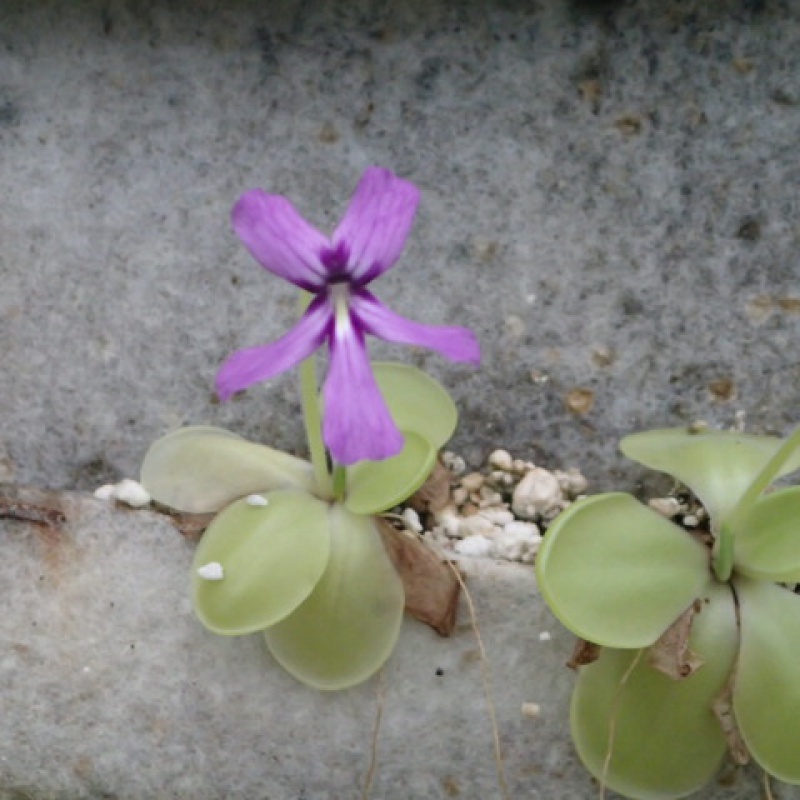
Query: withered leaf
point(723, 711)
point(191, 526)
point(670, 653)
point(431, 587)
point(583, 653)
point(434, 494)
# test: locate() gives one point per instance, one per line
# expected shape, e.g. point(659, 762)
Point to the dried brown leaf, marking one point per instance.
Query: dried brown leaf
point(434, 494)
point(583, 653)
point(723, 711)
point(432, 590)
point(671, 654)
point(191, 526)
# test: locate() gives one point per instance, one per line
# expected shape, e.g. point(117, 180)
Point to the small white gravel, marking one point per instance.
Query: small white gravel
point(127, 491)
point(211, 572)
point(256, 500)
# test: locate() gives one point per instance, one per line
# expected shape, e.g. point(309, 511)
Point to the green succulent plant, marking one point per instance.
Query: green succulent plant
point(296, 561)
point(619, 574)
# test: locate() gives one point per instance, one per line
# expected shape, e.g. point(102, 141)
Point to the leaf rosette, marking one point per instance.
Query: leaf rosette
point(619, 574)
point(310, 572)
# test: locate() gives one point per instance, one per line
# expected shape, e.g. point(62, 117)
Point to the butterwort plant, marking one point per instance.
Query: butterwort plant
point(700, 635)
point(294, 550)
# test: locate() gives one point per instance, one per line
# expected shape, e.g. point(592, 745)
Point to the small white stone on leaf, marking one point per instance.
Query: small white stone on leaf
point(211, 572)
point(256, 500)
point(478, 546)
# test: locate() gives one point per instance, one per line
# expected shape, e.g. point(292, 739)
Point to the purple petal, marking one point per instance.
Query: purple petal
point(280, 239)
point(376, 224)
point(357, 424)
point(457, 344)
point(254, 364)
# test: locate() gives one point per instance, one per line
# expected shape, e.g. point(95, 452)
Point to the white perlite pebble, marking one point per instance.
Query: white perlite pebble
point(517, 541)
point(105, 492)
point(211, 572)
point(454, 463)
point(668, 507)
point(477, 546)
point(531, 710)
point(132, 493)
point(572, 481)
point(497, 515)
point(545, 636)
point(256, 500)
point(537, 494)
point(476, 525)
point(411, 520)
point(448, 522)
point(472, 482)
point(127, 491)
point(502, 460)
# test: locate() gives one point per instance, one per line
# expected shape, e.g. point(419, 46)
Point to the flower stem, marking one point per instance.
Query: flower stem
point(339, 482)
point(309, 391)
point(723, 560)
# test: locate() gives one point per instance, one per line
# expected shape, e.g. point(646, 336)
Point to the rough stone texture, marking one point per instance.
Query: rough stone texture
point(111, 689)
point(609, 199)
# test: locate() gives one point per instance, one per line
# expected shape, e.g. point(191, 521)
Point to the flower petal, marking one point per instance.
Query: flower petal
point(356, 424)
point(374, 229)
point(280, 239)
point(455, 343)
point(254, 364)
point(766, 695)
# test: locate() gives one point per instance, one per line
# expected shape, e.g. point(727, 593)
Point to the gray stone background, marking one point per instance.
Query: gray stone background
point(610, 199)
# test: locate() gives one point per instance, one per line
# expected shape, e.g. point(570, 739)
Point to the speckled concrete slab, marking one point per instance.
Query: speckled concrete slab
point(609, 199)
point(111, 689)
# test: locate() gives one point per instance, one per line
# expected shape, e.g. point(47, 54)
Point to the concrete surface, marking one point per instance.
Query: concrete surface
point(609, 199)
point(111, 689)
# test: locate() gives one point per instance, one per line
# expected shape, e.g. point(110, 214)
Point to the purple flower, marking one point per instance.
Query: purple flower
point(357, 424)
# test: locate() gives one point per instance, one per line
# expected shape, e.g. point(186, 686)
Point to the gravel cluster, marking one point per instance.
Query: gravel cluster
point(499, 512)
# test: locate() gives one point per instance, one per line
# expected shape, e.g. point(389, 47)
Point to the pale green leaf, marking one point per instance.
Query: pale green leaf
point(374, 486)
point(348, 626)
point(767, 538)
point(200, 469)
point(717, 466)
point(766, 696)
point(617, 573)
point(666, 742)
point(417, 402)
point(272, 558)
